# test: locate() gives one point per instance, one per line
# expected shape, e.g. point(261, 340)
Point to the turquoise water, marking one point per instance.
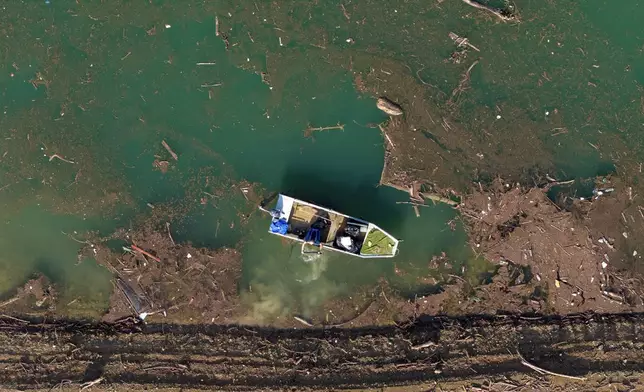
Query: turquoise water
point(112, 81)
point(37, 240)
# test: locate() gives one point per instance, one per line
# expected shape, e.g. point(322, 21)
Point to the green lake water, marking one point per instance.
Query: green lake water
point(114, 80)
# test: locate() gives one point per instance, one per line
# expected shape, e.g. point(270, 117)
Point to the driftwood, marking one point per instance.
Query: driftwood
point(386, 136)
point(167, 225)
point(179, 367)
point(56, 156)
point(308, 132)
point(462, 85)
point(425, 195)
point(439, 199)
point(497, 12)
point(424, 345)
point(148, 254)
point(389, 107)
point(351, 319)
point(301, 320)
point(613, 297)
point(460, 41)
point(9, 301)
point(165, 145)
point(412, 203)
point(313, 129)
point(90, 384)
point(555, 183)
point(345, 12)
point(14, 318)
point(544, 371)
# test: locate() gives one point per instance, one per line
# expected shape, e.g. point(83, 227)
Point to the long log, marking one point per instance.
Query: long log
point(167, 147)
point(338, 127)
point(544, 371)
point(153, 257)
point(439, 199)
point(494, 11)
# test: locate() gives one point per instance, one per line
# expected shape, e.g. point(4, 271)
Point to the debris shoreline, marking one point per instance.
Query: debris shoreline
point(509, 351)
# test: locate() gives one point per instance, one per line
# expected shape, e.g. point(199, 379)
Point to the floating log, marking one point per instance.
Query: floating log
point(338, 127)
point(503, 14)
point(167, 147)
point(460, 41)
point(301, 320)
point(146, 253)
point(386, 137)
point(439, 199)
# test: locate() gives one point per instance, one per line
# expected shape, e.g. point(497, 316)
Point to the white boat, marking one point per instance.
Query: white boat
point(322, 228)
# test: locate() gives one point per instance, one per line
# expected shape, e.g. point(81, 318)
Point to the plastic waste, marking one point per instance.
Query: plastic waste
point(600, 192)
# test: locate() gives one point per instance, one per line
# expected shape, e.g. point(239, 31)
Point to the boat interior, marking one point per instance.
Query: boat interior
point(322, 227)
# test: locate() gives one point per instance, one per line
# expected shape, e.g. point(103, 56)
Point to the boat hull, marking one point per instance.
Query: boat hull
point(316, 226)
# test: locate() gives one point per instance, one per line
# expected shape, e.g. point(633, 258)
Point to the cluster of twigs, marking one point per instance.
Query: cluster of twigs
point(463, 85)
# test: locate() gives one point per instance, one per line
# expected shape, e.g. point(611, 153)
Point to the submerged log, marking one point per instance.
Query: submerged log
point(389, 107)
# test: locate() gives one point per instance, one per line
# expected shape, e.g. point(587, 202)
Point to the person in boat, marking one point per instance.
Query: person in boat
point(313, 235)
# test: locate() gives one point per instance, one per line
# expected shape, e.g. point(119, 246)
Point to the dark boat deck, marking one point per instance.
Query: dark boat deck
point(304, 216)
